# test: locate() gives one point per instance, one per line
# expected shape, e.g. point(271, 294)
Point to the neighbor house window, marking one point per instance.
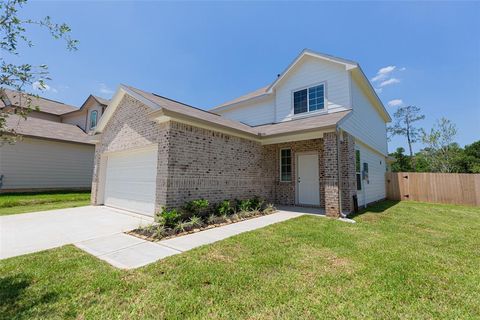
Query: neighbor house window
point(285, 165)
point(93, 119)
point(357, 169)
point(309, 99)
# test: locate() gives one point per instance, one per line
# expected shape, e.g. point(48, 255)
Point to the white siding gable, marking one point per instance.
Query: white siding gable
point(310, 71)
point(252, 113)
point(365, 123)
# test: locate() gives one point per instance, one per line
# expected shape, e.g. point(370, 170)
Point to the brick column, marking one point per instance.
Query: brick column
point(95, 177)
point(332, 191)
point(348, 178)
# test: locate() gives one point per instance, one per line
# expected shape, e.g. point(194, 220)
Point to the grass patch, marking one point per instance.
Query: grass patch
point(30, 202)
point(408, 260)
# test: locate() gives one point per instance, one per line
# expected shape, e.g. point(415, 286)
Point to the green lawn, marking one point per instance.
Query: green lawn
point(400, 261)
point(29, 202)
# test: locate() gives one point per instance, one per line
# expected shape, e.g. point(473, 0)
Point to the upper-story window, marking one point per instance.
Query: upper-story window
point(93, 119)
point(309, 99)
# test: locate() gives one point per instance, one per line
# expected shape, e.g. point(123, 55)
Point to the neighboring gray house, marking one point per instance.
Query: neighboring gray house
point(316, 136)
point(54, 151)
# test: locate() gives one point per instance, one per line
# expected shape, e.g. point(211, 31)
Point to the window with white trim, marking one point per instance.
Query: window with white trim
point(357, 169)
point(285, 165)
point(93, 119)
point(309, 99)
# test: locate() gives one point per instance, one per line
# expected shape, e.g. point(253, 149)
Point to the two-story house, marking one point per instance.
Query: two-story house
point(54, 150)
point(316, 136)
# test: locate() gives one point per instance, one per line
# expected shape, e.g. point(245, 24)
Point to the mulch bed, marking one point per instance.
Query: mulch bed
point(141, 232)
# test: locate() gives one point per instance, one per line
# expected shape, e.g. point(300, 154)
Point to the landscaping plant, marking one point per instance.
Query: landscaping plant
point(168, 218)
point(196, 215)
point(223, 208)
point(197, 207)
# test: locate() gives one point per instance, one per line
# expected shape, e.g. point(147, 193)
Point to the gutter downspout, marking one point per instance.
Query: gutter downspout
point(337, 131)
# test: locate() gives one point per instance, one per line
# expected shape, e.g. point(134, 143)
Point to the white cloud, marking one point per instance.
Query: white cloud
point(383, 73)
point(104, 89)
point(37, 86)
point(378, 90)
point(389, 82)
point(395, 103)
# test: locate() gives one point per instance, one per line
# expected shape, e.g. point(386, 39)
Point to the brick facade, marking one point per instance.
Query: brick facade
point(348, 174)
point(215, 166)
point(198, 163)
point(130, 127)
point(332, 195)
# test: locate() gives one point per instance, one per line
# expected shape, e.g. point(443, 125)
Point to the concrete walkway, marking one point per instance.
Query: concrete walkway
point(36, 231)
point(128, 252)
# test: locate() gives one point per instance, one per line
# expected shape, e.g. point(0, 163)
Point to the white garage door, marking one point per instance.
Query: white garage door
point(131, 179)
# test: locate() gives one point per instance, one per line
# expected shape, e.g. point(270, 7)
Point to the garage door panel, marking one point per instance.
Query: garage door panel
point(131, 180)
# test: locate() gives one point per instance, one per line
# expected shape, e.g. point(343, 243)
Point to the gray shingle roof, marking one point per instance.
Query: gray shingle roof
point(304, 124)
point(101, 100)
point(257, 93)
point(298, 125)
point(35, 127)
point(45, 105)
point(192, 112)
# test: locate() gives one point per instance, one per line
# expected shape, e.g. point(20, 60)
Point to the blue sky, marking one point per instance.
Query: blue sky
point(206, 53)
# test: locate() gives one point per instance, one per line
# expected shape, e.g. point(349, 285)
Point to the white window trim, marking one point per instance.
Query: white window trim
point(90, 119)
point(308, 112)
point(280, 165)
point(358, 172)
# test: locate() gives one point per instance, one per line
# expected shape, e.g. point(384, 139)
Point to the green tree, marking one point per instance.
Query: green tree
point(402, 162)
point(441, 151)
point(421, 161)
point(13, 33)
point(404, 125)
point(470, 159)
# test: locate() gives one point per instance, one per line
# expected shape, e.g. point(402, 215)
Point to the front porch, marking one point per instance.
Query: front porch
point(316, 173)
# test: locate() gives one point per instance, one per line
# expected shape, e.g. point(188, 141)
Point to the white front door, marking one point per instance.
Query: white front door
point(308, 183)
point(131, 180)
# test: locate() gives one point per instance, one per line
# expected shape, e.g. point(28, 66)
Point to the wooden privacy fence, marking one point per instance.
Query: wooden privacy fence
point(455, 188)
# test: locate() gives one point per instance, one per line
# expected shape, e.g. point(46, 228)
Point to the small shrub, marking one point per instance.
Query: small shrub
point(196, 222)
point(243, 214)
point(234, 217)
point(168, 218)
point(269, 209)
point(214, 219)
point(244, 205)
point(159, 231)
point(223, 208)
point(197, 207)
point(183, 227)
point(256, 203)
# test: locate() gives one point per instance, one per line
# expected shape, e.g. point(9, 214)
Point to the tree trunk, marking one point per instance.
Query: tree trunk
point(412, 159)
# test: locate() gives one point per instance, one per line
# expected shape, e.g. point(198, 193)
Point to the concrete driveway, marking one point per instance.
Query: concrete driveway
point(36, 231)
